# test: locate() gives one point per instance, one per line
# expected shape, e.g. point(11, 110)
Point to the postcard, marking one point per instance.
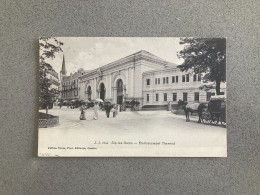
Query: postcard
point(132, 97)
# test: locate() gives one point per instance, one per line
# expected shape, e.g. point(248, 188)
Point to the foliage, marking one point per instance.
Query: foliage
point(49, 46)
point(207, 87)
point(207, 56)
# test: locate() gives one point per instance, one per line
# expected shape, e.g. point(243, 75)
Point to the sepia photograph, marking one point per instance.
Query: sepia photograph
point(132, 97)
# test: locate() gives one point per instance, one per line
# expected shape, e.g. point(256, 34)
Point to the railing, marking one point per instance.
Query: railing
point(47, 120)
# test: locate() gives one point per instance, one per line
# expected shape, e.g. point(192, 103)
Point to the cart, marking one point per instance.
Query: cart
point(216, 111)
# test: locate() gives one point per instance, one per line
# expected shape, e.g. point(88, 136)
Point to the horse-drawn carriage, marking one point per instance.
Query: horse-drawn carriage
point(216, 111)
point(133, 105)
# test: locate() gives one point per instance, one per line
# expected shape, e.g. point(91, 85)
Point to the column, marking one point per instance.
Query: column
point(115, 95)
point(94, 91)
point(110, 86)
point(132, 82)
point(129, 88)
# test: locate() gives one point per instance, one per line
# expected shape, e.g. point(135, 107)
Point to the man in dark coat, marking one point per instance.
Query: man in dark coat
point(108, 107)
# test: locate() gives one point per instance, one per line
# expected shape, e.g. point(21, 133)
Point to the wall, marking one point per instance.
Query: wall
point(177, 87)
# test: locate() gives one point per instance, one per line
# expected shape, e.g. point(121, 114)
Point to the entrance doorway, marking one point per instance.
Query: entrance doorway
point(120, 91)
point(102, 91)
point(89, 91)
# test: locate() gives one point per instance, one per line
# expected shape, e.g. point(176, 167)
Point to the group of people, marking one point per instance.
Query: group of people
point(97, 106)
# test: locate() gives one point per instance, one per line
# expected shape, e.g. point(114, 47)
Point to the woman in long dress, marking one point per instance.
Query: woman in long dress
point(82, 113)
point(96, 108)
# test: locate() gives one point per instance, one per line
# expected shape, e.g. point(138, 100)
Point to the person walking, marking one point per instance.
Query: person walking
point(116, 108)
point(82, 113)
point(107, 108)
point(113, 110)
point(96, 108)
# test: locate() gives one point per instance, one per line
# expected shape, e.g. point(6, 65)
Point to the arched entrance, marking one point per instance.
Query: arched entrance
point(120, 91)
point(102, 93)
point(89, 92)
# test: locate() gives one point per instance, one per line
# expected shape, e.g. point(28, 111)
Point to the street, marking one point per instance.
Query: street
point(140, 126)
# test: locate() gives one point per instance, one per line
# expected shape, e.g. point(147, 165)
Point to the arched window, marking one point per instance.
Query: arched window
point(102, 91)
point(120, 86)
point(89, 92)
point(120, 89)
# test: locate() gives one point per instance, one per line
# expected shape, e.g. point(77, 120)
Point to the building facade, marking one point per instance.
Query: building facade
point(54, 79)
point(53, 76)
point(171, 85)
point(141, 76)
point(69, 83)
point(120, 80)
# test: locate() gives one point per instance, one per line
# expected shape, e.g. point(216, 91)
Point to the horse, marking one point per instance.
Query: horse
point(193, 108)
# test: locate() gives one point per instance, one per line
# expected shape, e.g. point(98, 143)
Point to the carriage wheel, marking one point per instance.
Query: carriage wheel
point(215, 119)
point(223, 119)
point(223, 123)
point(206, 118)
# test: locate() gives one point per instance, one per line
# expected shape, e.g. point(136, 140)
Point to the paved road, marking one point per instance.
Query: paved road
point(131, 126)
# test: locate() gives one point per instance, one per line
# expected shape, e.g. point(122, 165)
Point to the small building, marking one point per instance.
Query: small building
point(54, 79)
point(70, 83)
point(171, 85)
point(53, 76)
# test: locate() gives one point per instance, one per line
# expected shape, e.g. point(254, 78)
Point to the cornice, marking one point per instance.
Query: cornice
point(129, 61)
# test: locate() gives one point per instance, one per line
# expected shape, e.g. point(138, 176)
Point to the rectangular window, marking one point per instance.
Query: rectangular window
point(173, 79)
point(185, 97)
point(174, 97)
point(183, 78)
point(167, 79)
point(199, 77)
point(165, 97)
point(157, 97)
point(196, 97)
point(163, 80)
point(156, 81)
point(177, 78)
point(194, 77)
point(147, 81)
point(147, 97)
point(187, 78)
point(208, 96)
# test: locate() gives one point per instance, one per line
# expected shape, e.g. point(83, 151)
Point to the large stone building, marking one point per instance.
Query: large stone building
point(141, 76)
point(120, 80)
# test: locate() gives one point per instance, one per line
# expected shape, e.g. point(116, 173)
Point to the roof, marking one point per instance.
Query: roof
point(63, 68)
point(135, 56)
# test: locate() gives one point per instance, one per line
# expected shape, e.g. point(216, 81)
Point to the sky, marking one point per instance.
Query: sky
point(93, 52)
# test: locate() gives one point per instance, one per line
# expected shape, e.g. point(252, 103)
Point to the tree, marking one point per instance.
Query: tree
point(49, 46)
point(205, 55)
